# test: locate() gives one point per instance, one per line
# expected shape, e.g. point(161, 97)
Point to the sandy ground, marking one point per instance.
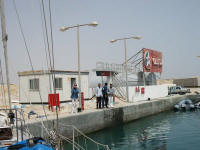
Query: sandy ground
point(65, 109)
point(14, 90)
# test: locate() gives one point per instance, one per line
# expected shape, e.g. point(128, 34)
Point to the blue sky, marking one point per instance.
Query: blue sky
point(169, 26)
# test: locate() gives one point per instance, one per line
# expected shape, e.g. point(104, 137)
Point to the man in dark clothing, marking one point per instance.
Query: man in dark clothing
point(105, 95)
point(74, 96)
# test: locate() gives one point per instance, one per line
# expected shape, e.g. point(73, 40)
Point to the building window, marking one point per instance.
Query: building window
point(34, 84)
point(58, 83)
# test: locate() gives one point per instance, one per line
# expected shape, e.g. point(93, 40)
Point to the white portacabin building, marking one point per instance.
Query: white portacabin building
point(34, 87)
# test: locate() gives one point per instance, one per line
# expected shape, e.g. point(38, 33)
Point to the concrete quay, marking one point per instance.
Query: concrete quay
point(99, 119)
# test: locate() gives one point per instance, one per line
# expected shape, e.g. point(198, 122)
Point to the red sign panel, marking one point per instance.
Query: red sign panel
point(152, 60)
point(103, 73)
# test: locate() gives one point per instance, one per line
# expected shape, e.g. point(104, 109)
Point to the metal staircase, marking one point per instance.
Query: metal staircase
point(134, 65)
point(119, 85)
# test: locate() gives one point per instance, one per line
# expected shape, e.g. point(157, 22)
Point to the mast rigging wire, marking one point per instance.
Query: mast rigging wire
point(28, 53)
point(46, 32)
point(45, 46)
point(51, 58)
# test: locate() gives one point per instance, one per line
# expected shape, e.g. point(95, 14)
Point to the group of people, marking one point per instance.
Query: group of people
point(105, 96)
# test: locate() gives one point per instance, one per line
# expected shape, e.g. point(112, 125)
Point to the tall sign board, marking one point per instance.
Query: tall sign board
point(152, 60)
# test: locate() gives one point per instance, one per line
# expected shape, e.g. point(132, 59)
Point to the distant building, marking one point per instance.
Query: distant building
point(186, 82)
point(35, 86)
point(164, 81)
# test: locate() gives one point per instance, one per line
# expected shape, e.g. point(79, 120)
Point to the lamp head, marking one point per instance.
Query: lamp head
point(112, 41)
point(137, 37)
point(63, 29)
point(93, 24)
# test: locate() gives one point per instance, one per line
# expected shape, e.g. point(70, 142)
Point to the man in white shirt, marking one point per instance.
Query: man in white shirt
point(99, 95)
point(111, 94)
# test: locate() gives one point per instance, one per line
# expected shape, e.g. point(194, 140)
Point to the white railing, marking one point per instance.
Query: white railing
point(119, 84)
point(80, 141)
point(120, 68)
point(76, 141)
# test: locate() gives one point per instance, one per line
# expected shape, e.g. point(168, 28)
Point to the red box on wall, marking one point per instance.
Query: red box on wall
point(142, 90)
point(53, 100)
point(82, 101)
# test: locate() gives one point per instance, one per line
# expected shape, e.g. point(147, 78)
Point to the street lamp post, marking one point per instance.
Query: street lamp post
point(125, 57)
point(79, 61)
point(93, 24)
point(126, 69)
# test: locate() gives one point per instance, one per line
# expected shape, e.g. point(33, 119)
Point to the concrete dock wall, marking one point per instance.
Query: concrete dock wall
point(89, 122)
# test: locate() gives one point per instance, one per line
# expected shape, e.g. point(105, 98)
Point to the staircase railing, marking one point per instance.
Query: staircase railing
point(119, 86)
point(76, 140)
point(80, 141)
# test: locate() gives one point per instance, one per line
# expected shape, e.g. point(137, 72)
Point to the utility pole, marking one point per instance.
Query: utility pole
point(93, 24)
point(79, 64)
point(126, 69)
point(126, 65)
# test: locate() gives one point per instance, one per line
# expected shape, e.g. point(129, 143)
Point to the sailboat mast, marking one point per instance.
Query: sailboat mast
point(4, 39)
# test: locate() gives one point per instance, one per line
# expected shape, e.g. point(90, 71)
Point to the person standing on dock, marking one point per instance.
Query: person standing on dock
point(105, 95)
point(99, 95)
point(111, 94)
point(74, 96)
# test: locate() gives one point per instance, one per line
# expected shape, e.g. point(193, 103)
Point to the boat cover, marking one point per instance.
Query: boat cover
point(35, 143)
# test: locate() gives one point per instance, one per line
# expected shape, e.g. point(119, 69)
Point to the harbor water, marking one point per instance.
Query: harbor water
point(165, 131)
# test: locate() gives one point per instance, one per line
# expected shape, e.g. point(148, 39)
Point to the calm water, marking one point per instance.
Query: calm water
point(165, 131)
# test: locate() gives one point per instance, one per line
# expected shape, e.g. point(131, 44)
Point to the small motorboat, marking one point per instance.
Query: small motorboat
point(35, 143)
point(184, 105)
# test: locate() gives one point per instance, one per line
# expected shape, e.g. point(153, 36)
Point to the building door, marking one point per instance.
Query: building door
point(73, 80)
